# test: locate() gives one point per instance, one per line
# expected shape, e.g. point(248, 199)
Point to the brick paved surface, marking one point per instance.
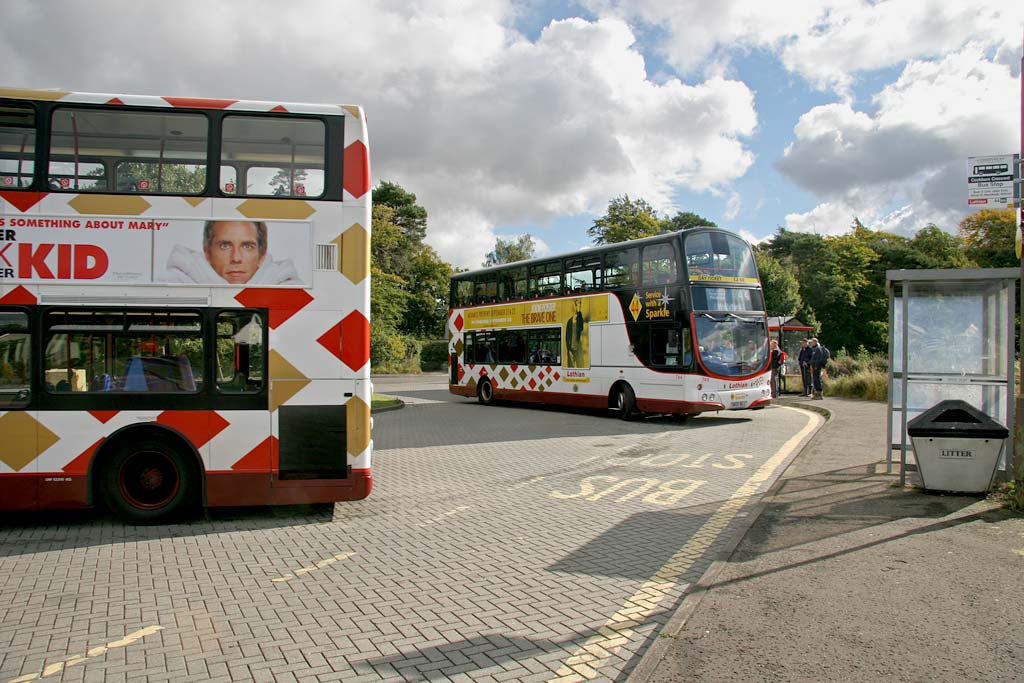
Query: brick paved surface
point(499, 544)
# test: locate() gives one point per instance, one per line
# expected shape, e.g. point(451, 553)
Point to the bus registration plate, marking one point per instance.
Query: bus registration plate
point(737, 400)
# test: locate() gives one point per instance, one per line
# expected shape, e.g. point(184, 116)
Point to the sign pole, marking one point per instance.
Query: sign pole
point(1017, 466)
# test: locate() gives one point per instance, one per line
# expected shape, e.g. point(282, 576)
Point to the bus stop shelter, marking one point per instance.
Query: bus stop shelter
point(950, 337)
point(789, 330)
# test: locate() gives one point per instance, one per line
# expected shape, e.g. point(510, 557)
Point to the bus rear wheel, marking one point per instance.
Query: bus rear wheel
point(149, 481)
point(485, 393)
point(625, 402)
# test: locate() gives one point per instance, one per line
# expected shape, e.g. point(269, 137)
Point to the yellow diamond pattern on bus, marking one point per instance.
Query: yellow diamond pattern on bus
point(126, 205)
point(21, 94)
point(285, 380)
point(276, 208)
point(635, 307)
point(24, 439)
point(357, 425)
point(354, 247)
point(194, 201)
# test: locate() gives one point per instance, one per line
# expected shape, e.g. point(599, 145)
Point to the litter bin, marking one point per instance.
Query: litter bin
point(957, 447)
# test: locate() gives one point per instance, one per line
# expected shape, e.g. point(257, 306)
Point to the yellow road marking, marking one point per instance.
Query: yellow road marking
point(319, 565)
point(597, 650)
point(57, 667)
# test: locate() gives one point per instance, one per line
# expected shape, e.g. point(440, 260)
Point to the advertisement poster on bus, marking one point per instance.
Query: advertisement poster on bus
point(120, 250)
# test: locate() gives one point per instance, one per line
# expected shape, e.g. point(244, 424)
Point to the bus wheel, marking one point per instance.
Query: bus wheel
point(149, 481)
point(485, 393)
point(625, 402)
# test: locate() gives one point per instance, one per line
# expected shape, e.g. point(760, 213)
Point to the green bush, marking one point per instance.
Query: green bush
point(434, 356)
point(842, 364)
point(392, 353)
point(869, 384)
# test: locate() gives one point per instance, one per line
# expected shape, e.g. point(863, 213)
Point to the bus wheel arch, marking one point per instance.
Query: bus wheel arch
point(485, 392)
point(622, 399)
point(146, 474)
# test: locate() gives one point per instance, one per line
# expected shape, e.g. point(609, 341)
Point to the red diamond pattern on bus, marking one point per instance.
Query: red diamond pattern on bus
point(115, 101)
point(462, 373)
point(331, 340)
point(104, 416)
point(198, 426)
point(258, 458)
point(19, 296)
point(80, 465)
point(459, 322)
point(557, 376)
point(198, 102)
point(533, 383)
point(283, 303)
point(356, 170)
point(23, 201)
point(355, 340)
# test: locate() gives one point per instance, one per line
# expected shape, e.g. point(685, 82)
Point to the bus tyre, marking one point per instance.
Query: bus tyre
point(485, 393)
point(149, 481)
point(625, 402)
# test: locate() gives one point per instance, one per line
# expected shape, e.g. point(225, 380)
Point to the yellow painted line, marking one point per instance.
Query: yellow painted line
point(57, 667)
point(319, 565)
point(541, 477)
point(444, 516)
point(596, 651)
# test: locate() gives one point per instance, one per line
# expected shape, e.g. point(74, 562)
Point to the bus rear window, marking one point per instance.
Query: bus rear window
point(149, 152)
point(17, 146)
point(273, 156)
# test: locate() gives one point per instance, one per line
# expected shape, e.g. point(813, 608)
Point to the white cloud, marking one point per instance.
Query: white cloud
point(485, 126)
point(828, 43)
point(903, 166)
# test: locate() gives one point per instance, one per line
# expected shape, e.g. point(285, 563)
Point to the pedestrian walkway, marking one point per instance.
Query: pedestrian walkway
point(845, 576)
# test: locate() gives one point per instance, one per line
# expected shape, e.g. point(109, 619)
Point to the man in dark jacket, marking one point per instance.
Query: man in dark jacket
point(819, 359)
point(805, 365)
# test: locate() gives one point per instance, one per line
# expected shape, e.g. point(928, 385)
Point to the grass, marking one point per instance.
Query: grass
point(378, 401)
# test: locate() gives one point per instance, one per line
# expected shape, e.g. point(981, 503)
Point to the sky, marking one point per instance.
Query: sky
point(505, 118)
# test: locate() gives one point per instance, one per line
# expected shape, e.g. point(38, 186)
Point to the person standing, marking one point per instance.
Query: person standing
point(776, 366)
point(819, 359)
point(805, 365)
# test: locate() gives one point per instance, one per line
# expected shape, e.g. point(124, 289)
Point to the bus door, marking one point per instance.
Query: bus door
point(19, 454)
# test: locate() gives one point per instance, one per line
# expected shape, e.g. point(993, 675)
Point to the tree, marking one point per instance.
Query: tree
point(410, 290)
point(781, 290)
point(427, 308)
point(408, 215)
point(509, 251)
point(686, 220)
point(286, 180)
point(626, 219)
point(989, 238)
point(939, 249)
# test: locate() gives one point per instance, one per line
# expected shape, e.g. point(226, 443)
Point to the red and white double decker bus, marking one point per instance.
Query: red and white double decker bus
point(184, 303)
point(673, 324)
